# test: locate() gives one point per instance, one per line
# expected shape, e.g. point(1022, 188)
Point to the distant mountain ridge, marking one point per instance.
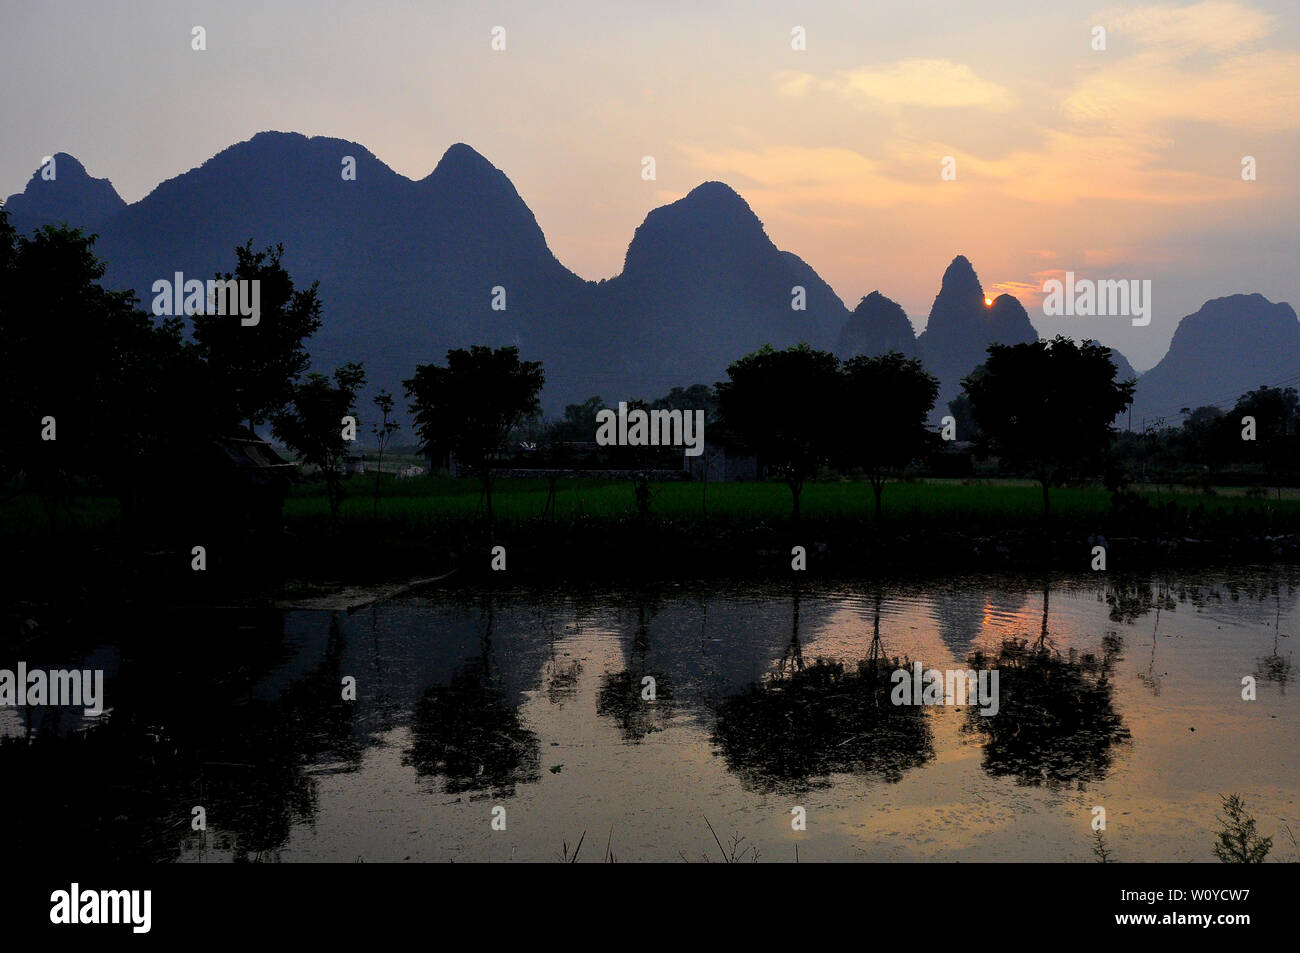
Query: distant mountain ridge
point(408, 268)
point(1229, 346)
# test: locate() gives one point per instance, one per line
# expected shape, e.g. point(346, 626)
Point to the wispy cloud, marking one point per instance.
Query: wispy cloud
point(923, 83)
point(1213, 25)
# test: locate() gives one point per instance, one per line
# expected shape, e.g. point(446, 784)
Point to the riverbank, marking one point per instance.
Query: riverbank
point(590, 533)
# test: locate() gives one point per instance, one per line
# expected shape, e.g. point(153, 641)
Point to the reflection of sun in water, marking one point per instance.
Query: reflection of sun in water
point(988, 302)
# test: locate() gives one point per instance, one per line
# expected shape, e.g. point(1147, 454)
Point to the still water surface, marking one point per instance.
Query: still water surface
point(1119, 694)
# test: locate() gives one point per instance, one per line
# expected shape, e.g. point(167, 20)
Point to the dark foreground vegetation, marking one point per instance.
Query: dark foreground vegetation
point(139, 465)
point(595, 531)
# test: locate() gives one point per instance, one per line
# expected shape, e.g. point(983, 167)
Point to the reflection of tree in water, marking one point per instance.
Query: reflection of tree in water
point(621, 693)
point(561, 678)
point(1056, 721)
point(123, 788)
point(257, 775)
point(810, 721)
point(1275, 667)
point(1162, 601)
point(469, 733)
point(1130, 599)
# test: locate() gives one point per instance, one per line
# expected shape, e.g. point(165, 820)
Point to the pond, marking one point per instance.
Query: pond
point(677, 722)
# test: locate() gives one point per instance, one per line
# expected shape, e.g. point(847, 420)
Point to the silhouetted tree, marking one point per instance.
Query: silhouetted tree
point(383, 431)
point(105, 374)
point(1205, 440)
point(782, 406)
point(959, 408)
point(252, 369)
point(312, 425)
point(889, 398)
point(1048, 407)
point(695, 397)
point(1277, 429)
point(470, 406)
point(578, 423)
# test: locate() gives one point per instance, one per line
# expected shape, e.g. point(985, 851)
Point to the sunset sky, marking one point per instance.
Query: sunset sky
point(1123, 163)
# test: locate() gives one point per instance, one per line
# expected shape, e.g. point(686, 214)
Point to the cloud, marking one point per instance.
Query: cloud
point(1030, 295)
point(798, 177)
point(924, 83)
point(1212, 26)
point(1256, 92)
point(1152, 85)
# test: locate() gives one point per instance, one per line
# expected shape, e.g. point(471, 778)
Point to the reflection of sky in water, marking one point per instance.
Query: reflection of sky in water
point(532, 701)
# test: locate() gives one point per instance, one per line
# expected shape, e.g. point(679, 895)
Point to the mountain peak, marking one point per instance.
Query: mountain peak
point(61, 190)
point(464, 167)
point(876, 326)
point(711, 211)
point(959, 278)
point(66, 163)
point(716, 192)
point(962, 326)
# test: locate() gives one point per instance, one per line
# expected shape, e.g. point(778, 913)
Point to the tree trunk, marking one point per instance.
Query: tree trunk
point(379, 468)
point(796, 489)
point(878, 487)
point(333, 488)
point(487, 492)
point(1047, 501)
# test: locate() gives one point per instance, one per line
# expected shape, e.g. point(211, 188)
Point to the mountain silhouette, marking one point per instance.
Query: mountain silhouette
point(1123, 369)
point(1230, 346)
point(876, 326)
point(702, 285)
point(71, 196)
point(961, 327)
point(407, 269)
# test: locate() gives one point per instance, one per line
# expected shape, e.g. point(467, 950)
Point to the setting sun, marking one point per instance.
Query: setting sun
point(988, 302)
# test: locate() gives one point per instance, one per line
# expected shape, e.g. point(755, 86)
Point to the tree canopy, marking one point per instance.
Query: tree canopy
point(252, 370)
point(312, 425)
point(782, 406)
point(889, 398)
point(1048, 407)
point(469, 407)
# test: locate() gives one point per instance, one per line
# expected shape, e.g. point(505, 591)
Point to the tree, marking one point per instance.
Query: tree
point(959, 408)
point(1276, 412)
point(83, 365)
point(1202, 440)
point(1048, 407)
point(781, 405)
point(252, 370)
point(312, 425)
point(695, 397)
point(469, 407)
point(578, 423)
point(890, 397)
point(383, 432)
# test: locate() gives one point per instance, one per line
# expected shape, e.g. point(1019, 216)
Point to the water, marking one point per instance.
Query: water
point(1122, 695)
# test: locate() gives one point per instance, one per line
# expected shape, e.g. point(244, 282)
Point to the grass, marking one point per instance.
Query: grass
point(25, 515)
point(425, 503)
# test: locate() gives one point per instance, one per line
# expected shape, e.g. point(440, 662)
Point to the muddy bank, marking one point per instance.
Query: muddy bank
point(350, 567)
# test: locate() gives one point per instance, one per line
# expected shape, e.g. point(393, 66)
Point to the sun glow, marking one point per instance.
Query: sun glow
point(988, 302)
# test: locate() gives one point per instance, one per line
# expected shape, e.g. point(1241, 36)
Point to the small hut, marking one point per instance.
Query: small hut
point(222, 486)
